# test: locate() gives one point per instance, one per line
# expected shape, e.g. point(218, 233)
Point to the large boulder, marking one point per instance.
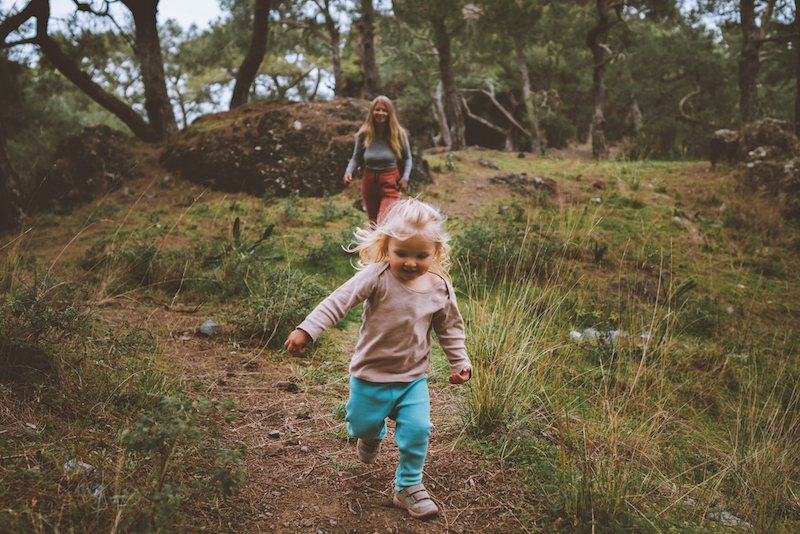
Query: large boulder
point(87, 164)
point(768, 153)
point(773, 137)
point(790, 189)
point(274, 147)
point(724, 146)
point(762, 140)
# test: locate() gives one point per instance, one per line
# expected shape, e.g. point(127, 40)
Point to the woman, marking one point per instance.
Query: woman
point(381, 143)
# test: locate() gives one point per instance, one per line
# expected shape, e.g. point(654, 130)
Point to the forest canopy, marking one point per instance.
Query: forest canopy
point(655, 78)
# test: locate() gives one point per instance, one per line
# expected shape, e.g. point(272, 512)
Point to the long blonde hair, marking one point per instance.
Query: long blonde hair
point(397, 135)
point(405, 219)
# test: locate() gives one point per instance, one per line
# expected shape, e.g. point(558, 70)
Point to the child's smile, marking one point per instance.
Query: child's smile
point(410, 259)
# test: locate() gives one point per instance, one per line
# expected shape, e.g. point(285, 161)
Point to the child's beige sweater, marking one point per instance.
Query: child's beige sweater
point(395, 341)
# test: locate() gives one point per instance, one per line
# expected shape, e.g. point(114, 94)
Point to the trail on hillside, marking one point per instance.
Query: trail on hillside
point(303, 475)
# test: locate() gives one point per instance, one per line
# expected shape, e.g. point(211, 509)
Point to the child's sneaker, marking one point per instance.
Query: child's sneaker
point(416, 500)
point(368, 449)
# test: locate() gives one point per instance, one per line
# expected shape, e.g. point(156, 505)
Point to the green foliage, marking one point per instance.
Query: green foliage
point(284, 300)
point(558, 130)
point(34, 321)
point(169, 440)
point(502, 248)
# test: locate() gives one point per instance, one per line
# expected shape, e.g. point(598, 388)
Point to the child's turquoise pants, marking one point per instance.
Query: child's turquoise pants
point(409, 405)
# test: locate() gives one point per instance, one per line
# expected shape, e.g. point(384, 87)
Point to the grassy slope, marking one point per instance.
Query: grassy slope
point(688, 412)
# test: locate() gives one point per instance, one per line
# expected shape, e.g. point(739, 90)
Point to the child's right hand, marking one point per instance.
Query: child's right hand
point(348, 177)
point(297, 341)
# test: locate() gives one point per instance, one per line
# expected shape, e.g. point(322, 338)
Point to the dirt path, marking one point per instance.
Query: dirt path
point(302, 473)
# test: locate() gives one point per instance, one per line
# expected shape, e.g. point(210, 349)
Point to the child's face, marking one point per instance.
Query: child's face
point(410, 258)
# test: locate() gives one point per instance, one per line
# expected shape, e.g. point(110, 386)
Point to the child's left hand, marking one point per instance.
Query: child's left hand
point(460, 378)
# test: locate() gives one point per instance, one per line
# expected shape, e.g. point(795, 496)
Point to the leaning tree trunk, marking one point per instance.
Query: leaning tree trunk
point(452, 101)
point(248, 70)
point(527, 97)
point(749, 61)
point(598, 82)
point(372, 78)
point(151, 66)
point(443, 139)
point(12, 212)
point(40, 9)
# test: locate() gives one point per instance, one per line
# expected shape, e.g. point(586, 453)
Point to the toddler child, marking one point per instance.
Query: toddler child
point(406, 291)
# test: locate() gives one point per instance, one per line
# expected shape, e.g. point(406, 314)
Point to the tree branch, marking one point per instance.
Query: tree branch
point(307, 27)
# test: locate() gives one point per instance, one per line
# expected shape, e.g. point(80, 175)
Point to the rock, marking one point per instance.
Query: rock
point(790, 189)
point(724, 146)
point(537, 182)
point(209, 328)
point(274, 148)
point(75, 467)
point(769, 133)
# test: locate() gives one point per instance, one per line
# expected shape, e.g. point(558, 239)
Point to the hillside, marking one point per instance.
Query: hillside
point(639, 431)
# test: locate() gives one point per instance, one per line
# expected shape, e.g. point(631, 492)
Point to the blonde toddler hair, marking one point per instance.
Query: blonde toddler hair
point(405, 219)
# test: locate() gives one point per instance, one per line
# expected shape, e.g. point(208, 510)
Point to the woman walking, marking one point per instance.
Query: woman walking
point(381, 145)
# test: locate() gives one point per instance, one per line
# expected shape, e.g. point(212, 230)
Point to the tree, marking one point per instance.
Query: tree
point(372, 77)
point(757, 26)
point(330, 36)
point(516, 20)
point(609, 14)
point(147, 49)
point(248, 70)
point(442, 18)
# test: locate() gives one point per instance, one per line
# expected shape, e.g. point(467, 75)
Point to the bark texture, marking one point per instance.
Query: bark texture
point(599, 148)
point(151, 66)
point(748, 61)
point(527, 97)
point(248, 70)
point(372, 78)
point(452, 100)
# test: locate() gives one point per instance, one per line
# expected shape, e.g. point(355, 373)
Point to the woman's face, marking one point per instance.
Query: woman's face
point(380, 114)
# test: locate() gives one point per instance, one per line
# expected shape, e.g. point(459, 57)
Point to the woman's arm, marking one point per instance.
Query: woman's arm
point(407, 162)
point(355, 160)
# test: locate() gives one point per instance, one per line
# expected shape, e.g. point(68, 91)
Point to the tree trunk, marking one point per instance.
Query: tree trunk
point(11, 198)
point(527, 97)
point(749, 61)
point(599, 149)
point(797, 69)
point(248, 70)
point(443, 139)
point(40, 9)
point(372, 78)
point(336, 55)
point(452, 102)
point(151, 66)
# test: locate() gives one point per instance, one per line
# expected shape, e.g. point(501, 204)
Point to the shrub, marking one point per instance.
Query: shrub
point(558, 130)
point(34, 322)
point(270, 315)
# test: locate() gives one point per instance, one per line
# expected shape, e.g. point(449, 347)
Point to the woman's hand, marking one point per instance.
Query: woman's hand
point(297, 341)
point(463, 376)
point(402, 184)
point(348, 177)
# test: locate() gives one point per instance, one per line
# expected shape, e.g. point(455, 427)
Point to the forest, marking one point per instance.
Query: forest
point(654, 77)
point(172, 206)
